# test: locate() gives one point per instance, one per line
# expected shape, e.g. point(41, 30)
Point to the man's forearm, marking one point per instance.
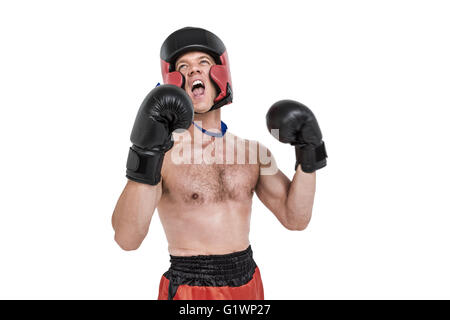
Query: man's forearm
point(133, 213)
point(300, 199)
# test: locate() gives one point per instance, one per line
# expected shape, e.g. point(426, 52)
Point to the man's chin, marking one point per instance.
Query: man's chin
point(201, 108)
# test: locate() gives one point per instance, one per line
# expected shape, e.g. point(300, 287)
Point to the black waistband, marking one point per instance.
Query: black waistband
point(233, 269)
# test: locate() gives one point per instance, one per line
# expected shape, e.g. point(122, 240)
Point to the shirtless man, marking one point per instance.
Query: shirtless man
point(202, 180)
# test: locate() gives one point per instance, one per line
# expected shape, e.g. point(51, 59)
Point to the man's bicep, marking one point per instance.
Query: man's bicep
point(273, 185)
point(272, 190)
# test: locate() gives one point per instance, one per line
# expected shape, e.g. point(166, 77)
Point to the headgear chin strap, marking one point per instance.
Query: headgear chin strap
point(197, 39)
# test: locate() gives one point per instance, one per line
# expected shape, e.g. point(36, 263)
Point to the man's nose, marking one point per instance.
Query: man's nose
point(193, 70)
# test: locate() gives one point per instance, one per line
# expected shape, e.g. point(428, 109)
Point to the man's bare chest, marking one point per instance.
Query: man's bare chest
point(201, 183)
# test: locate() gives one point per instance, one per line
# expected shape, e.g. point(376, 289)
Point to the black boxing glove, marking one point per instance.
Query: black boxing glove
point(298, 126)
point(165, 109)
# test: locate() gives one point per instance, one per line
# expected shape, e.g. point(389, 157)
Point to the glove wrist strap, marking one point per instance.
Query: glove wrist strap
point(311, 158)
point(144, 166)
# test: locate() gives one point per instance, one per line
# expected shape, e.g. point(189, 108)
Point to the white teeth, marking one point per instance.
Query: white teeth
point(198, 82)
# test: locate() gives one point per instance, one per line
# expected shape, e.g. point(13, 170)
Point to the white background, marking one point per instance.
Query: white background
point(375, 73)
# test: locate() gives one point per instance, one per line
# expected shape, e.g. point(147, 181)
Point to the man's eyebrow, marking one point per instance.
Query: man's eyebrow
point(178, 62)
point(202, 57)
point(199, 58)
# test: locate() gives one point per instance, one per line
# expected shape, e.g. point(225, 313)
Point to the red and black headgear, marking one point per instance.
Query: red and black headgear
point(197, 39)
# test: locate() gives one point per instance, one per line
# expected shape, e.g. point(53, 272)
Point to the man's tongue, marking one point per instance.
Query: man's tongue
point(198, 91)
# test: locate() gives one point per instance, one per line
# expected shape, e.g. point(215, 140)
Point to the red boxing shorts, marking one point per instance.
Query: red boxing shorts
point(233, 276)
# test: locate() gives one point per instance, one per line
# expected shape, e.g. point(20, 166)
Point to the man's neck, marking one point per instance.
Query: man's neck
point(209, 120)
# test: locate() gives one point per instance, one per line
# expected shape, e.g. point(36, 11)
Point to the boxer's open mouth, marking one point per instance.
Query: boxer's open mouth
point(198, 88)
